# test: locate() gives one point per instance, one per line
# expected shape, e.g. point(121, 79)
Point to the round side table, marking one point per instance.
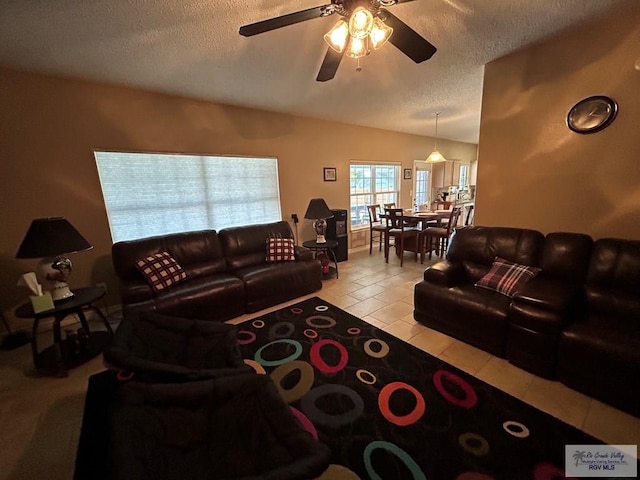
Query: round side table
point(60, 356)
point(327, 247)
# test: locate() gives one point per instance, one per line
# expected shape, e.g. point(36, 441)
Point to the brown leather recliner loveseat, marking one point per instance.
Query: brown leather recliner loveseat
point(227, 272)
point(599, 350)
point(577, 320)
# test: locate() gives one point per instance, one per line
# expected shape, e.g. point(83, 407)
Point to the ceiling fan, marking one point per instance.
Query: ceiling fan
point(367, 24)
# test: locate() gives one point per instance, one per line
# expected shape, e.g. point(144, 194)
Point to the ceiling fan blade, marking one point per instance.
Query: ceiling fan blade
point(286, 20)
point(329, 65)
point(407, 40)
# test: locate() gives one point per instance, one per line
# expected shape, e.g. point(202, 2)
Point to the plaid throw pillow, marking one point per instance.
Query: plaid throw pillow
point(280, 250)
point(507, 277)
point(161, 271)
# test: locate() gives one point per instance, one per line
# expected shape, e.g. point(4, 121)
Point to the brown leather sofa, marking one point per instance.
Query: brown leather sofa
point(267, 284)
point(227, 274)
point(599, 351)
point(447, 299)
point(539, 313)
point(578, 320)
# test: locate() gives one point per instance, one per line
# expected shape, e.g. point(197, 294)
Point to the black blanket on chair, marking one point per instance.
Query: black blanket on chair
point(224, 428)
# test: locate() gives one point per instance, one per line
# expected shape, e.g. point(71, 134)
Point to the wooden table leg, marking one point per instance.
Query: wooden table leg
point(101, 315)
point(34, 343)
point(57, 346)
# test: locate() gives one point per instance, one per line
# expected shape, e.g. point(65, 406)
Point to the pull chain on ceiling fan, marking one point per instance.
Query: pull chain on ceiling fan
point(364, 24)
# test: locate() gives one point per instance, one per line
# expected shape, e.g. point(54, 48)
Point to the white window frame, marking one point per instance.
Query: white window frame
point(420, 183)
point(463, 179)
point(149, 194)
point(362, 195)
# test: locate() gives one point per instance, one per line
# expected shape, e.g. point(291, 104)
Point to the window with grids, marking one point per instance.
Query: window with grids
point(149, 194)
point(463, 182)
point(370, 184)
point(421, 196)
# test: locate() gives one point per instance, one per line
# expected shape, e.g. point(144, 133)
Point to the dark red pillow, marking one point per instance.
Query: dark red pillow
point(161, 271)
point(506, 277)
point(280, 250)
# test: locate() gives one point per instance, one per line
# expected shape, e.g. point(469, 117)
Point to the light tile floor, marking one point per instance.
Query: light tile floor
point(41, 416)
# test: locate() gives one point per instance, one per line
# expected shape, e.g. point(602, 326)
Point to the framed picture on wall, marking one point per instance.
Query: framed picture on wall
point(329, 174)
point(407, 174)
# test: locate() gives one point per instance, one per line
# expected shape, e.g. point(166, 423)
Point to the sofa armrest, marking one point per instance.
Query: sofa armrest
point(445, 273)
point(548, 293)
point(135, 291)
point(303, 254)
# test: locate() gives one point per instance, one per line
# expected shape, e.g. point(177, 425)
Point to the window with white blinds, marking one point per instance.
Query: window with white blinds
point(154, 194)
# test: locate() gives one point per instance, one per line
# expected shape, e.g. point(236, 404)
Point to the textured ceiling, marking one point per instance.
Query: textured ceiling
point(192, 48)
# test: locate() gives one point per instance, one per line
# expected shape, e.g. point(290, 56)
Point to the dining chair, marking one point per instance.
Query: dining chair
point(438, 234)
point(375, 225)
point(393, 205)
point(397, 229)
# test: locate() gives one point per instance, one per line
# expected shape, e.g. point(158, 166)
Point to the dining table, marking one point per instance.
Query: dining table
point(420, 218)
point(424, 217)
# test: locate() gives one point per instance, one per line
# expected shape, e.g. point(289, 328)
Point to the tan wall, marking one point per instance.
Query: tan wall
point(49, 128)
point(532, 170)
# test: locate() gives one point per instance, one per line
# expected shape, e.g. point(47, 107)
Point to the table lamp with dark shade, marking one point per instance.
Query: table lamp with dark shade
point(51, 239)
point(318, 211)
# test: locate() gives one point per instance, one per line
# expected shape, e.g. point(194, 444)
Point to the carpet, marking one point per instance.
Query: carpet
point(388, 410)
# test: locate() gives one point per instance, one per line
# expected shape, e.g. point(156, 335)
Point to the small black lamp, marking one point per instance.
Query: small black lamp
point(51, 239)
point(318, 211)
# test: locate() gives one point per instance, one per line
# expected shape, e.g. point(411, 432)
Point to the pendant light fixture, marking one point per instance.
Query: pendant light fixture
point(435, 156)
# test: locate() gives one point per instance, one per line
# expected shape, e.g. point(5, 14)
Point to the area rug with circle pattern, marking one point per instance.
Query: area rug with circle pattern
point(388, 410)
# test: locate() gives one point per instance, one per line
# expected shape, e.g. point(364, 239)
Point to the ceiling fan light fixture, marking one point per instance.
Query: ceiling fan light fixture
point(436, 156)
point(380, 33)
point(358, 33)
point(360, 23)
point(357, 48)
point(337, 37)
